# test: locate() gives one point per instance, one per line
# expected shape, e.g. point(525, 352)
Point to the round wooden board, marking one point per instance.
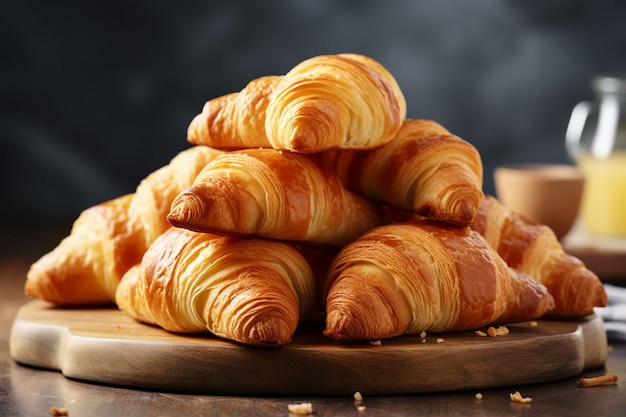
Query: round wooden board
point(106, 346)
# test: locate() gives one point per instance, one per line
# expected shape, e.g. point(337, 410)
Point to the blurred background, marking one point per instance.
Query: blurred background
point(96, 95)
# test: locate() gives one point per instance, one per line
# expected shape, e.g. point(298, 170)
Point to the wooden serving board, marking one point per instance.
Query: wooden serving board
point(106, 346)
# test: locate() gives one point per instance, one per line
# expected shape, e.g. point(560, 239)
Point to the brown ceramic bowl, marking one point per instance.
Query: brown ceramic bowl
point(549, 194)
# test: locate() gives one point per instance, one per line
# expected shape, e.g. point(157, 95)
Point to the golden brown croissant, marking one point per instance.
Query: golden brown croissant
point(425, 169)
point(274, 194)
point(236, 120)
point(108, 238)
point(406, 278)
point(346, 101)
point(249, 290)
point(534, 249)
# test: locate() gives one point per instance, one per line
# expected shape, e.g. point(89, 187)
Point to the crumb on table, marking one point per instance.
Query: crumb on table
point(301, 409)
point(58, 411)
point(517, 398)
point(610, 379)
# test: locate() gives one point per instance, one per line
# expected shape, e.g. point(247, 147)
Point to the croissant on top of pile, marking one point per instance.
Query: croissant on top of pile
point(313, 192)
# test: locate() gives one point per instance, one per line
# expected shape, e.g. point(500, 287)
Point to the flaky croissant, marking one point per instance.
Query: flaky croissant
point(107, 239)
point(425, 169)
point(249, 290)
point(236, 120)
point(406, 278)
point(534, 249)
point(274, 194)
point(346, 101)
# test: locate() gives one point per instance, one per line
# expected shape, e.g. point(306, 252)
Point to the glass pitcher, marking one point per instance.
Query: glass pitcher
point(596, 140)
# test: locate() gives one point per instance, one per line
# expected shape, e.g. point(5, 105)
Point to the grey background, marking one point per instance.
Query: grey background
point(95, 95)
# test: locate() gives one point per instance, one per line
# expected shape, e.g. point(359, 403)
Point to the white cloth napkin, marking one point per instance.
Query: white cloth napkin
point(614, 314)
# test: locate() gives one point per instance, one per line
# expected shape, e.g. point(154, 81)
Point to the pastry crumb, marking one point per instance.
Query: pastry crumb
point(439, 340)
point(302, 409)
point(479, 396)
point(481, 333)
point(500, 331)
point(423, 335)
point(517, 398)
point(358, 402)
point(604, 380)
point(376, 343)
point(58, 411)
point(534, 323)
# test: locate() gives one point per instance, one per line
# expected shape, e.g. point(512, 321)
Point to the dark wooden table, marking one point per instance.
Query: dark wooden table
point(26, 391)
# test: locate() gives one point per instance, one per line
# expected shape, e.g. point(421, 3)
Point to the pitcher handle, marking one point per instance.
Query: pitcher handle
point(575, 129)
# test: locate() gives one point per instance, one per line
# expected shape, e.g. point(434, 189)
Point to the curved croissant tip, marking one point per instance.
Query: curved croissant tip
point(270, 331)
point(460, 208)
point(316, 128)
point(187, 210)
point(343, 325)
point(194, 132)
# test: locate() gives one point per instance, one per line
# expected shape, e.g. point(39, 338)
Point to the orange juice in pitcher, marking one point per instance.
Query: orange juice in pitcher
point(596, 140)
point(603, 208)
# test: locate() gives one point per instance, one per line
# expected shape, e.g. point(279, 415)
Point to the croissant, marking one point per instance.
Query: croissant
point(346, 101)
point(425, 169)
point(108, 238)
point(329, 101)
point(274, 194)
point(236, 120)
point(249, 290)
point(410, 277)
point(534, 249)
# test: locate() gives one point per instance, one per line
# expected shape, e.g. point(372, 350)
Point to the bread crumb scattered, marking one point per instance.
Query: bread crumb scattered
point(358, 396)
point(479, 396)
point(423, 340)
point(423, 335)
point(481, 333)
point(534, 323)
point(500, 331)
point(302, 409)
point(439, 340)
point(610, 379)
point(376, 343)
point(517, 398)
point(58, 411)
point(360, 408)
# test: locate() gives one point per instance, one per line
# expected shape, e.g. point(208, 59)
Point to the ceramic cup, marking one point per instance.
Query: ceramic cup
point(549, 194)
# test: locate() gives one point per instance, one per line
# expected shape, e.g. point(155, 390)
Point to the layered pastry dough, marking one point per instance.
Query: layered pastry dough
point(410, 277)
point(425, 169)
point(249, 290)
point(346, 101)
point(236, 120)
point(107, 239)
point(274, 194)
point(534, 249)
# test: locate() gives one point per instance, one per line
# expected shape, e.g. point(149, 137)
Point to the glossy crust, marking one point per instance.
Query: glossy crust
point(274, 194)
point(236, 120)
point(248, 290)
point(346, 101)
point(534, 249)
point(425, 169)
point(410, 277)
point(109, 238)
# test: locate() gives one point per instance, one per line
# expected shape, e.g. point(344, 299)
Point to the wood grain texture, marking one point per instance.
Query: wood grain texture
point(106, 346)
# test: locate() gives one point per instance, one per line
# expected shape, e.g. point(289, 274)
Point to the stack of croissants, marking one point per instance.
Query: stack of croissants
point(309, 195)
